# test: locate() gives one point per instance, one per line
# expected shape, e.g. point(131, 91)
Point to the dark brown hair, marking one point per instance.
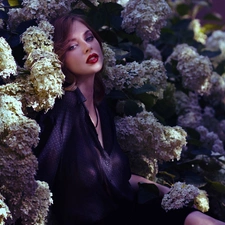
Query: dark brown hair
point(62, 27)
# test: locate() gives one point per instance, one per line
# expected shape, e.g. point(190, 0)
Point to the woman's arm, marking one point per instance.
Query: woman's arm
point(135, 179)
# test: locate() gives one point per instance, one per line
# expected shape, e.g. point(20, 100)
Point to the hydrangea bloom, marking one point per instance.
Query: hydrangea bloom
point(44, 84)
point(183, 195)
point(217, 93)
point(45, 81)
point(215, 42)
point(37, 9)
point(4, 211)
point(135, 75)
point(7, 62)
point(38, 38)
point(150, 51)
point(144, 135)
point(35, 208)
point(210, 140)
point(145, 17)
point(195, 69)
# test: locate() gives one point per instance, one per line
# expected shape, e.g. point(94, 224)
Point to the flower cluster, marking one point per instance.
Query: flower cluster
point(144, 135)
point(45, 81)
point(35, 209)
point(4, 211)
point(145, 17)
point(185, 195)
point(38, 37)
point(150, 51)
point(135, 75)
point(215, 42)
point(191, 115)
point(195, 69)
point(7, 63)
point(37, 9)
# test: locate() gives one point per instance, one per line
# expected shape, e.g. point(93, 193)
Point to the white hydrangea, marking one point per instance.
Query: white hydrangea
point(145, 17)
point(184, 195)
point(210, 140)
point(122, 2)
point(144, 135)
point(215, 42)
point(7, 62)
point(38, 37)
point(4, 211)
point(17, 131)
point(150, 51)
point(136, 74)
point(195, 69)
point(37, 9)
point(44, 84)
point(35, 207)
point(217, 93)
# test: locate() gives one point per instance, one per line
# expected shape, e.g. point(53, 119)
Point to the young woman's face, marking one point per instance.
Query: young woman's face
point(84, 55)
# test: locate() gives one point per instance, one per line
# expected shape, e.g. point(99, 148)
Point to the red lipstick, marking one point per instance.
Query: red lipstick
point(93, 58)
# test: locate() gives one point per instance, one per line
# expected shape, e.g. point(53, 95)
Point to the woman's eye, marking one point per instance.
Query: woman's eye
point(90, 38)
point(72, 47)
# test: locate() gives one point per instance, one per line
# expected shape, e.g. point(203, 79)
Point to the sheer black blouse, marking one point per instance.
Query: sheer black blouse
point(88, 182)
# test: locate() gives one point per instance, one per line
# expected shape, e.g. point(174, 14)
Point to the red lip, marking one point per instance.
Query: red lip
point(93, 58)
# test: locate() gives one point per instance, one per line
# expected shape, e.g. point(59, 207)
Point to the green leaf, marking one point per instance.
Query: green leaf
point(212, 17)
point(183, 9)
point(217, 186)
point(148, 100)
point(3, 15)
point(14, 3)
point(147, 192)
point(220, 69)
point(115, 94)
point(131, 108)
point(109, 37)
point(89, 4)
point(210, 54)
point(134, 53)
point(166, 107)
point(144, 89)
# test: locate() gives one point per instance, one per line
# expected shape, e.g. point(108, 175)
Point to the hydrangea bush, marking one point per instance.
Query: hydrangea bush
point(164, 77)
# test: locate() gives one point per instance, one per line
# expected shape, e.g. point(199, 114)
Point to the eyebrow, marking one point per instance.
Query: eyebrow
point(74, 39)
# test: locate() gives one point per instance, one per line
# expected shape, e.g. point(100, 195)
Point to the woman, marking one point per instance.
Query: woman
point(78, 153)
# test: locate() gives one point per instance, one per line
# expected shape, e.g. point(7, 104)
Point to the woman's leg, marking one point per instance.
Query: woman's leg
point(198, 218)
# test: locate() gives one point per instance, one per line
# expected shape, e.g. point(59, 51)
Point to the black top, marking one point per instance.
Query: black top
point(87, 181)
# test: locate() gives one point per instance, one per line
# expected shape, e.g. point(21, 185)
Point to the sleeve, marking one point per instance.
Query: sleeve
point(49, 149)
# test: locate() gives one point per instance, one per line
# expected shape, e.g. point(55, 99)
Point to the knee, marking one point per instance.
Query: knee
point(198, 218)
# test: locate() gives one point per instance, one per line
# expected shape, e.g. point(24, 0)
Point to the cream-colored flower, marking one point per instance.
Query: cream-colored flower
point(198, 33)
point(4, 211)
point(7, 62)
point(44, 84)
point(201, 201)
point(37, 38)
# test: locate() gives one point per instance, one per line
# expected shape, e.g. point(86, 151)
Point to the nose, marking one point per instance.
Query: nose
point(86, 47)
